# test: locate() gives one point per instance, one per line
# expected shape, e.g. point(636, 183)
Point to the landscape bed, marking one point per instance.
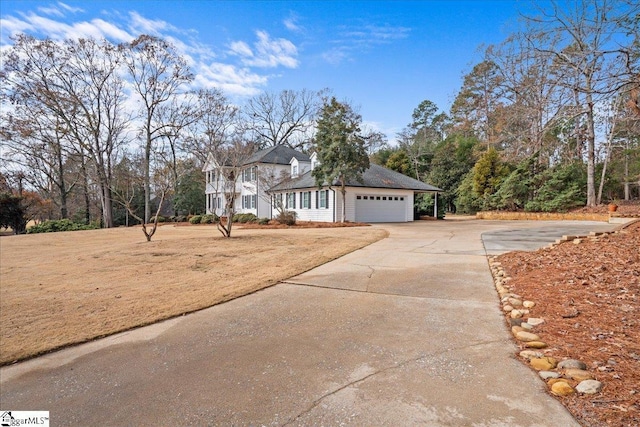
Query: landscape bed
point(589, 296)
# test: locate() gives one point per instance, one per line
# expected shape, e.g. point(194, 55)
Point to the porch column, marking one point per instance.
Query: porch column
point(435, 205)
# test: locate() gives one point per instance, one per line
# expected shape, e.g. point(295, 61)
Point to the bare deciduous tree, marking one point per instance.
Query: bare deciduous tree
point(77, 83)
point(590, 57)
point(216, 122)
point(158, 74)
point(282, 118)
point(230, 160)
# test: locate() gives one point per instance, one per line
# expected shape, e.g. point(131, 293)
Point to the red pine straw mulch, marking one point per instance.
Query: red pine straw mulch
point(589, 296)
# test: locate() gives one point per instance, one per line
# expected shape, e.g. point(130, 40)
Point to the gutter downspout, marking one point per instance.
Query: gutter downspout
point(334, 203)
point(257, 193)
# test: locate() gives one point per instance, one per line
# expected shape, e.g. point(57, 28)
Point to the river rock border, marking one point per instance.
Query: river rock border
point(563, 378)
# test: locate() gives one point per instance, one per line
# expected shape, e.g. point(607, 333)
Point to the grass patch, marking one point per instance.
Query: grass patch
point(59, 289)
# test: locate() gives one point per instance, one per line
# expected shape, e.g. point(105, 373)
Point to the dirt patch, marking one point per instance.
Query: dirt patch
point(589, 296)
point(59, 289)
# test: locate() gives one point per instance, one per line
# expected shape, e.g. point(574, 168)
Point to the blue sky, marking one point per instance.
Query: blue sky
point(384, 57)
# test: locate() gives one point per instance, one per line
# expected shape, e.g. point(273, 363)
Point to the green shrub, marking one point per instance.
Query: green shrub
point(519, 187)
point(244, 218)
point(467, 202)
point(195, 219)
point(263, 221)
point(424, 205)
point(60, 225)
point(209, 219)
point(561, 189)
point(161, 218)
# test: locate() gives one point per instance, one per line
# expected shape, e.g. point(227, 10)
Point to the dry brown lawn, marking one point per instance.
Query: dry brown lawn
point(58, 289)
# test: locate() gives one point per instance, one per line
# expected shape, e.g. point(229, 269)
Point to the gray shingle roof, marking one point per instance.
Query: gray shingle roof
point(278, 154)
point(375, 177)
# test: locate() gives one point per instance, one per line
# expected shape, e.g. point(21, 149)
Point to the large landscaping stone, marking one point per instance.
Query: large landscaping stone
point(527, 336)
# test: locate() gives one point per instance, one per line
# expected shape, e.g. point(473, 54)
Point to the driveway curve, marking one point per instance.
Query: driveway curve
point(406, 331)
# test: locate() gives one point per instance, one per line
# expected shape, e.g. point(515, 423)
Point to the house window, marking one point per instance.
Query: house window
point(291, 201)
point(401, 198)
point(384, 198)
point(249, 174)
point(323, 196)
point(295, 170)
point(377, 197)
point(305, 200)
point(359, 197)
point(249, 201)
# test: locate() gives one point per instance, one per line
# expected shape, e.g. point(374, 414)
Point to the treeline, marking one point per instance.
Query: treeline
point(114, 133)
point(547, 121)
point(106, 133)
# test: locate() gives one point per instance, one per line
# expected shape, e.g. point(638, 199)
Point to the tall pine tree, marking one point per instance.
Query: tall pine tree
point(340, 147)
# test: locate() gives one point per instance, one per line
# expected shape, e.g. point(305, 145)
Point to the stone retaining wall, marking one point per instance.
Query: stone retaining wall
point(543, 216)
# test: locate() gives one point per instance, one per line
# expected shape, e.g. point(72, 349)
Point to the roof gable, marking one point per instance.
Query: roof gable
point(278, 154)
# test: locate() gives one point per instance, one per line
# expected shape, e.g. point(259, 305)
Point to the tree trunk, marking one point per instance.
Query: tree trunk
point(147, 181)
point(64, 213)
point(591, 154)
point(107, 206)
point(627, 193)
point(85, 188)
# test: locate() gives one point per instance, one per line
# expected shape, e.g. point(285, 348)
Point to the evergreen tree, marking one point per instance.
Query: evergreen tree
point(340, 147)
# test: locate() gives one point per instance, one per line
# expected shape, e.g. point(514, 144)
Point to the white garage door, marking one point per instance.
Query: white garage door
point(378, 208)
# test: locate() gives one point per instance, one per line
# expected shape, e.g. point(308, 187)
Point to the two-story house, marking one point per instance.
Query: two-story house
point(280, 178)
point(262, 170)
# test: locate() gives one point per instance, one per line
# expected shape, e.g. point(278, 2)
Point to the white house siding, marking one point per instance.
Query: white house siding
point(314, 213)
point(214, 191)
point(264, 208)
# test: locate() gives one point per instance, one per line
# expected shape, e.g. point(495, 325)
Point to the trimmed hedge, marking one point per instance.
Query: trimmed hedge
point(53, 226)
point(244, 218)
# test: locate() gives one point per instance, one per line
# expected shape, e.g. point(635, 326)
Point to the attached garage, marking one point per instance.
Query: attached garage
point(381, 208)
point(381, 195)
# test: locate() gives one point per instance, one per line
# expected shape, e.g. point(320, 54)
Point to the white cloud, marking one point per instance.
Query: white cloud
point(51, 10)
point(362, 38)
point(335, 56)
point(291, 24)
point(237, 77)
point(11, 26)
point(142, 25)
point(241, 49)
point(230, 79)
point(376, 34)
point(59, 9)
point(266, 52)
point(70, 8)
point(56, 30)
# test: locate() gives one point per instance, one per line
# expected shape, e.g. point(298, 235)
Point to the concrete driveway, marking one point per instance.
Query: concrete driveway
point(406, 331)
